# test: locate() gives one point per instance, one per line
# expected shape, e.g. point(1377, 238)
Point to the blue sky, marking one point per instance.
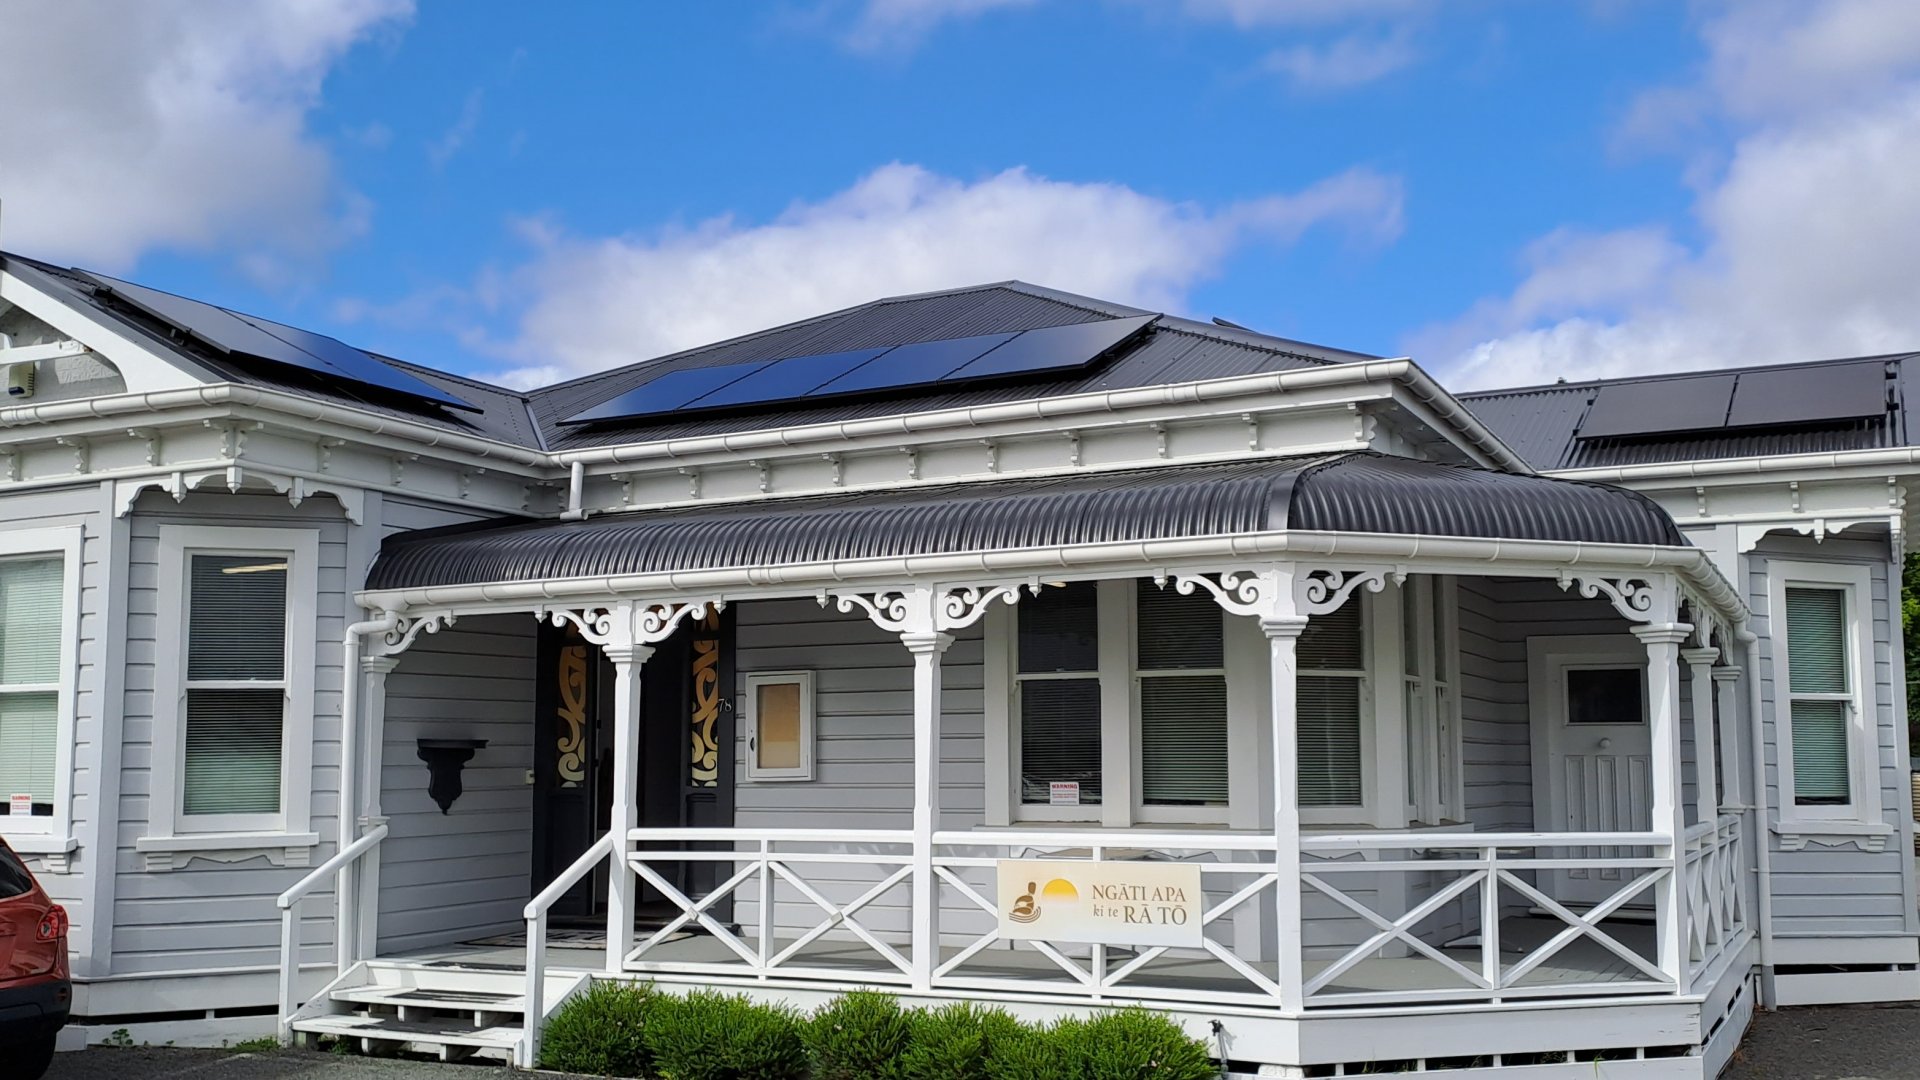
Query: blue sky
point(1511, 191)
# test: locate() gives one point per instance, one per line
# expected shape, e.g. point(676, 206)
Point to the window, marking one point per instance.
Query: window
point(233, 707)
point(1118, 704)
point(1431, 662)
point(780, 731)
point(1825, 714)
point(39, 592)
point(1332, 681)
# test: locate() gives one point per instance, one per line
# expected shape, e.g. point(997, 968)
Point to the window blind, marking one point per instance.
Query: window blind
point(238, 625)
point(233, 751)
point(1817, 667)
point(1328, 708)
point(30, 621)
point(29, 724)
point(1817, 641)
point(1059, 629)
point(1059, 737)
point(236, 632)
point(1183, 718)
point(30, 647)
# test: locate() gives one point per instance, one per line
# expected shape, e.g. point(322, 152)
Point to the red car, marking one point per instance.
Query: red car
point(35, 990)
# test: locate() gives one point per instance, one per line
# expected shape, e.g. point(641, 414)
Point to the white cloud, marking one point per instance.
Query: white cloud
point(454, 139)
point(1353, 60)
point(1809, 231)
point(889, 24)
point(132, 127)
point(593, 303)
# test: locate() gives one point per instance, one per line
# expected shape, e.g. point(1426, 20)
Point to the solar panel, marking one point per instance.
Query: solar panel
point(789, 378)
point(1810, 394)
point(1053, 348)
point(1658, 408)
point(913, 365)
point(671, 391)
point(232, 332)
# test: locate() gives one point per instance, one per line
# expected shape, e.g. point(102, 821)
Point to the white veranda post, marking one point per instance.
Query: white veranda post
point(1700, 698)
point(927, 647)
point(1663, 636)
point(1726, 680)
point(621, 887)
point(373, 747)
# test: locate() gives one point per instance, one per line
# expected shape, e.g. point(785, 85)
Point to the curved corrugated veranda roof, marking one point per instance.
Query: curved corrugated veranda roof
point(1352, 492)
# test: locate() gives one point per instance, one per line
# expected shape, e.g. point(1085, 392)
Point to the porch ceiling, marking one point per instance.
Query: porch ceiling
point(1350, 492)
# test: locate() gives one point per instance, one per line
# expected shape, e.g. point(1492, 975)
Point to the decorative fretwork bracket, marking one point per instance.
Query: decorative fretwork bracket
point(629, 623)
point(408, 630)
point(1637, 599)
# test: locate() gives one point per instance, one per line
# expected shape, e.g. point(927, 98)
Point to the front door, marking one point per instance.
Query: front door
point(1593, 752)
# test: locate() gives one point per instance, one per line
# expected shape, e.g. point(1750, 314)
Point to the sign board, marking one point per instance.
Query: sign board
point(1101, 903)
point(20, 806)
point(1063, 793)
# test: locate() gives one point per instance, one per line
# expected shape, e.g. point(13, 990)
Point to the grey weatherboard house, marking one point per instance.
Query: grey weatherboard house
point(993, 644)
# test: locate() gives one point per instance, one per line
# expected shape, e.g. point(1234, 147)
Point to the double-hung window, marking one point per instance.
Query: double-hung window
point(1118, 705)
point(1822, 631)
point(234, 685)
point(1333, 716)
point(39, 598)
point(1431, 662)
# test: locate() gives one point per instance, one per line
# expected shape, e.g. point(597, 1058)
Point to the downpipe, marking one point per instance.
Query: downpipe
point(1762, 829)
point(347, 892)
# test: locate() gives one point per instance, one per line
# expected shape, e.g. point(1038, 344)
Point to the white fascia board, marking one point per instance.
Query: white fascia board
point(1418, 554)
point(143, 367)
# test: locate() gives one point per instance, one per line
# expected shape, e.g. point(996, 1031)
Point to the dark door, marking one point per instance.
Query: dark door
point(686, 759)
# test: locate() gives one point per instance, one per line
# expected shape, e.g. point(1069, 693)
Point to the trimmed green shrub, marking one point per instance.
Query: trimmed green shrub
point(1134, 1044)
point(858, 1036)
point(1028, 1053)
point(601, 1032)
point(713, 1036)
point(954, 1042)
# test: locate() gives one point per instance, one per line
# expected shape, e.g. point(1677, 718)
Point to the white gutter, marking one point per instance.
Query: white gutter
point(1894, 458)
point(304, 408)
point(1066, 407)
point(1690, 563)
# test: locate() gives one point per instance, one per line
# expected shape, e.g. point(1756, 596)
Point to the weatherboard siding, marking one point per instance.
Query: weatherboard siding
point(1836, 890)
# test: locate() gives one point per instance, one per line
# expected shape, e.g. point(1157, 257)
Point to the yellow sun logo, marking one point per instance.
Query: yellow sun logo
point(1060, 891)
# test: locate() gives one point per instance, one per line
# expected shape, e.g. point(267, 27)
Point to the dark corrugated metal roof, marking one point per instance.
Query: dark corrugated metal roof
point(1178, 350)
point(1543, 423)
point(1356, 492)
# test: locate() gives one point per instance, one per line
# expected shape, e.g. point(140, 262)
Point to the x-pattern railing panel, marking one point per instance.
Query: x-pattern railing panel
point(1716, 901)
point(778, 877)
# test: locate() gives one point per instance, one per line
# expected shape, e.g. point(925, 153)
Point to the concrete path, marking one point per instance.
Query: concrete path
point(171, 1063)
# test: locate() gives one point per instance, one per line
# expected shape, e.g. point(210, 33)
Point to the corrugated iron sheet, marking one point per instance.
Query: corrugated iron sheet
point(1360, 492)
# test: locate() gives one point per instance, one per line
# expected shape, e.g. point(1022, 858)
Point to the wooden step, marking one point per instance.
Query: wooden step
point(448, 999)
point(426, 1033)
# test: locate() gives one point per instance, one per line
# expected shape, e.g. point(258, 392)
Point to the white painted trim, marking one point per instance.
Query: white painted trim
point(808, 732)
point(53, 835)
point(1000, 754)
point(1863, 810)
point(168, 829)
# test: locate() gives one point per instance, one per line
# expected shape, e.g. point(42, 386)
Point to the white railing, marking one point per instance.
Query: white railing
point(289, 902)
point(1472, 881)
point(1716, 901)
point(534, 999)
point(1237, 873)
point(810, 894)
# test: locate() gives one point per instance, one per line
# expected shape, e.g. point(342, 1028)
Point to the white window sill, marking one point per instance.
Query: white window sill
point(54, 851)
point(1796, 833)
point(174, 852)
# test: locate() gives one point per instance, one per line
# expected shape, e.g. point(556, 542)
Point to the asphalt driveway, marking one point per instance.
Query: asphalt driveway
point(1846, 1043)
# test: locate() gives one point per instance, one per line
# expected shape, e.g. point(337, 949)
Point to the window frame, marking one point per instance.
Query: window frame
point(1855, 583)
point(169, 827)
point(1435, 684)
point(809, 730)
point(53, 834)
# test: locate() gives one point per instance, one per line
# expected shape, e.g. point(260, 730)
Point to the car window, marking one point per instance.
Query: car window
point(14, 878)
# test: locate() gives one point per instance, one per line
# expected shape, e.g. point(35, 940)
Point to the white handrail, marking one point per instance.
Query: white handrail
point(1486, 839)
point(536, 916)
point(290, 918)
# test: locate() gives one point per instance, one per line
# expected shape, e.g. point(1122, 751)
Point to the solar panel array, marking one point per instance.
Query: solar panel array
point(1830, 393)
point(1048, 350)
point(231, 332)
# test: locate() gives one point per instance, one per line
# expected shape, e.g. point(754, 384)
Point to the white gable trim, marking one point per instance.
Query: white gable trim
point(144, 369)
